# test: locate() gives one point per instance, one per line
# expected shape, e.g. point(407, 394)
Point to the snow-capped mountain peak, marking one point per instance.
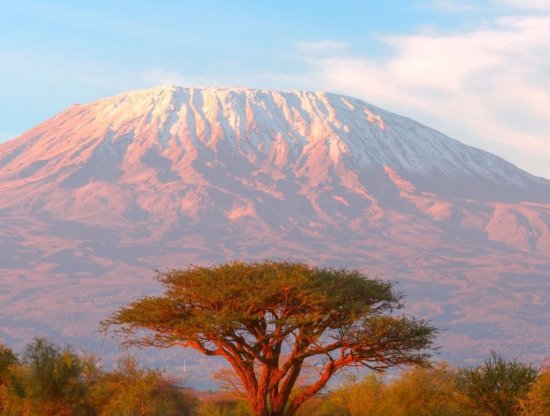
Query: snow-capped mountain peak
point(309, 134)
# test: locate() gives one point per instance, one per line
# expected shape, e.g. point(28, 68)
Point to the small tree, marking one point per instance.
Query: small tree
point(496, 387)
point(54, 380)
point(270, 320)
point(424, 392)
point(353, 398)
point(132, 390)
point(419, 391)
point(7, 360)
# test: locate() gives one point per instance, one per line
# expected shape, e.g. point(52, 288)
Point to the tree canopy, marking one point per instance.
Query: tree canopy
point(270, 320)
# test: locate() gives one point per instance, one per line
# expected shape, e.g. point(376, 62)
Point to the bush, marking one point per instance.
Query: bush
point(353, 398)
point(131, 390)
point(53, 381)
point(537, 401)
point(424, 392)
point(417, 392)
point(497, 387)
point(9, 386)
point(224, 408)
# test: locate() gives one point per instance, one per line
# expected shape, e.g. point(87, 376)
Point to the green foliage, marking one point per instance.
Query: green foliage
point(424, 392)
point(131, 390)
point(246, 312)
point(417, 392)
point(354, 398)
point(7, 359)
point(224, 408)
point(497, 387)
point(53, 381)
point(9, 385)
point(537, 400)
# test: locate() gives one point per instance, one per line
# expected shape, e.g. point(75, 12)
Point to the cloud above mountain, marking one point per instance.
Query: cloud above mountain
point(490, 85)
point(476, 70)
point(526, 4)
point(487, 83)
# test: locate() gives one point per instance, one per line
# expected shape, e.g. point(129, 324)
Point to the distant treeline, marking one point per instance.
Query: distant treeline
point(47, 380)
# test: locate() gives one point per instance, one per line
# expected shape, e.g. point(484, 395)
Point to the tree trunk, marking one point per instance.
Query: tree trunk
point(260, 408)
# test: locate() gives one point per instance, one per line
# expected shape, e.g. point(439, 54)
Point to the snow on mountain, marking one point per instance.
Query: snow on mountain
point(96, 198)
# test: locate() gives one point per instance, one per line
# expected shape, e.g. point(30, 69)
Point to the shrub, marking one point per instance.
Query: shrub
point(497, 387)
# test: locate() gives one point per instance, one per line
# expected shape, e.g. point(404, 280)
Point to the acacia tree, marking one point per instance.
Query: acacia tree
point(270, 320)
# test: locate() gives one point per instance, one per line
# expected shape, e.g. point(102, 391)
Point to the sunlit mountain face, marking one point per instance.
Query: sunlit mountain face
point(97, 198)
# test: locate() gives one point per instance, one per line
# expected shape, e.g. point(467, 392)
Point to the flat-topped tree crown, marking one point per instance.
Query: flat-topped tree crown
point(271, 319)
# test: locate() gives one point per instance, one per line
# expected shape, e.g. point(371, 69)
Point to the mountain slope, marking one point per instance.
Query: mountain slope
point(100, 195)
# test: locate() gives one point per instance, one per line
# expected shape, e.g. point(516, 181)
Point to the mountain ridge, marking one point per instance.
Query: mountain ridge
point(160, 106)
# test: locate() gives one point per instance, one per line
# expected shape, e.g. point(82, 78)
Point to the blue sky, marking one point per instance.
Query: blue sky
point(477, 71)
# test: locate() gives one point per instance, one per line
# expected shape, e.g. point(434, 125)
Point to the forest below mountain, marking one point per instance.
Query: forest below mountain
point(47, 379)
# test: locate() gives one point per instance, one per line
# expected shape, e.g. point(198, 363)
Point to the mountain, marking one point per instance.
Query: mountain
point(101, 195)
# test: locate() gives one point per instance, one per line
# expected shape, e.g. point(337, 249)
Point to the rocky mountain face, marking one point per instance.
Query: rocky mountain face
point(95, 199)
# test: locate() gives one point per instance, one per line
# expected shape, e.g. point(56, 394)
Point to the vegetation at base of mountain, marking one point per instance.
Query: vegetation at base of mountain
point(498, 386)
point(46, 379)
point(537, 400)
point(272, 321)
point(416, 392)
point(49, 380)
point(9, 385)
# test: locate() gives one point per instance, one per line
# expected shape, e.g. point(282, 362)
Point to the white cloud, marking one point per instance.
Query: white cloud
point(449, 5)
point(487, 87)
point(526, 4)
point(158, 76)
point(321, 46)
